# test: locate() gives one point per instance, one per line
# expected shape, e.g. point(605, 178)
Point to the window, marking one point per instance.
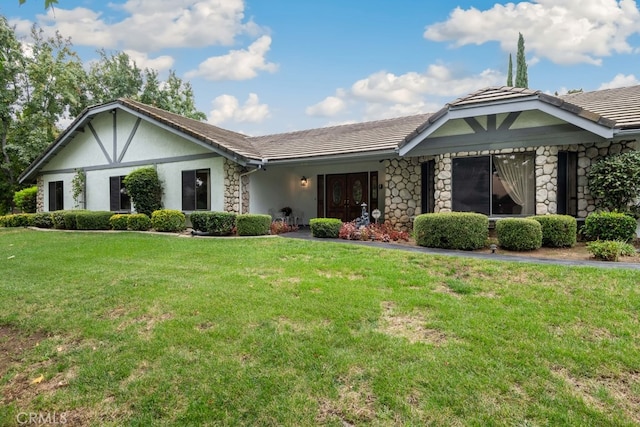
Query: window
point(494, 185)
point(56, 196)
point(195, 190)
point(119, 200)
point(568, 183)
point(428, 186)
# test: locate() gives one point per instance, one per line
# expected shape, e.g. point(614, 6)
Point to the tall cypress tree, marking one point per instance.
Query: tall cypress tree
point(522, 78)
point(510, 73)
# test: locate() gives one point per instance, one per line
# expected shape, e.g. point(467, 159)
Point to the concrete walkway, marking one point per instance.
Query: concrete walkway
point(305, 234)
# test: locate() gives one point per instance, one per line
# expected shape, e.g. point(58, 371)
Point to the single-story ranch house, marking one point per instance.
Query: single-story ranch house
point(501, 151)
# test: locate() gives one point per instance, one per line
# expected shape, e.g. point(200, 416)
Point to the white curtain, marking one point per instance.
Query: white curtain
point(516, 174)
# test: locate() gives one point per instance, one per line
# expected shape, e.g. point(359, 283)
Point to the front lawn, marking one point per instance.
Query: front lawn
point(140, 329)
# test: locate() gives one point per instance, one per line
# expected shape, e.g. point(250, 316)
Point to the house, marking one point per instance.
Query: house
point(501, 151)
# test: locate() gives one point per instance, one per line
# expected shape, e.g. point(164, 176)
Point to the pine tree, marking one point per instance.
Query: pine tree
point(522, 78)
point(510, 73)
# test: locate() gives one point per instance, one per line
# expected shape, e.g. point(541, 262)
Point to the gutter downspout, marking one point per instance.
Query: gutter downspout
point(242, 175)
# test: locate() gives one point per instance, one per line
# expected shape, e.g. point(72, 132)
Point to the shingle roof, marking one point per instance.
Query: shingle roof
point(621, 105)
point(345, 139)
point(220, 138)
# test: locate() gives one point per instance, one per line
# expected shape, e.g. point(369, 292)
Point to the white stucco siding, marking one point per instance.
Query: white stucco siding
point(97, 184)
point(152, 142)
point(66, 178)
point(171, 177)
point(279, 186)
point(82, 151)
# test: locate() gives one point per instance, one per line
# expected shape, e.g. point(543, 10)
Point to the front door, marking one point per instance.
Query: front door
point(345, 193)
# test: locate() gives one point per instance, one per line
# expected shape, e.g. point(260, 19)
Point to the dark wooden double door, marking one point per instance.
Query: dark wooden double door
point(345, 194)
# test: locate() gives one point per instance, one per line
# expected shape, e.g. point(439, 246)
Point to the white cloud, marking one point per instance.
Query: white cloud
point(331, 106)
point(620, 80)
point(564, 31)
point(237, 64)
point(385, 94)
point(227, 108)
point(151, 25)
point(142, 60)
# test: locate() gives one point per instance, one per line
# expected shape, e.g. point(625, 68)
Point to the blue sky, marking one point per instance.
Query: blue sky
point(261, 67)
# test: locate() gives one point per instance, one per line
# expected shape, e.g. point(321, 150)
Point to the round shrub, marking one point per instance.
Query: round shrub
point(138, 222)
point(3, 220)
point(325, 227)
point(145, 189)
point(93, 220)
point(609, 226)
point(214, 223)
point(168, 220)
point(25, 200)
point(558, 231)
point(119, 221)
point(43, 220)
point(519, 234)
point(451, 230)
point(253, 225)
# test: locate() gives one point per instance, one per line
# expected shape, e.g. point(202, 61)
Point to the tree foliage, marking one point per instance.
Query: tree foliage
point(43, 83)
point(40, 85)
point(614, 182)
point(510, 73)
point(522, 77)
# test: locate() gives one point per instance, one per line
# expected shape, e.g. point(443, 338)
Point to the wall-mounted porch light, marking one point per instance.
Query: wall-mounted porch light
point(303, 181)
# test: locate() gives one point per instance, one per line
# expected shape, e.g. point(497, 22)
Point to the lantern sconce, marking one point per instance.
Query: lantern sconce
point(303, 181)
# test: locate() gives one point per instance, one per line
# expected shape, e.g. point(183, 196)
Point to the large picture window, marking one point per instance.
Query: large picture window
point(196, 190)
point(494, 185)
point(56, 196)
point(119, 200)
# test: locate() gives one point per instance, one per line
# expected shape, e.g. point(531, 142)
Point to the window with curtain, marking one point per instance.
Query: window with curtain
point(494, 185)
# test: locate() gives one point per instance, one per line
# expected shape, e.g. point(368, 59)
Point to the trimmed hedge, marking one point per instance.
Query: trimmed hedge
point(145, 189)
point(119, 221)
point(325, 227)
point(69, 219)
point(42, 220)
point(558, 231)
point(17, 220)
point(253, 224)
point(58, 219)
point(609, 226)
point(215, 223)
point(519, 234)
point(138, 222)
point(168, 220)
point(451, 230)
point(93, 220)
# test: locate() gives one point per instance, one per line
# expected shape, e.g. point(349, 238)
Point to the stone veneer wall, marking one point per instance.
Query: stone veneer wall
point(40, 194)
point(403, 179)
point(231, 186)
point(403, 191)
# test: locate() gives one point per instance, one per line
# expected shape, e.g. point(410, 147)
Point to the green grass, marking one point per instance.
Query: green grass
point(157, 330)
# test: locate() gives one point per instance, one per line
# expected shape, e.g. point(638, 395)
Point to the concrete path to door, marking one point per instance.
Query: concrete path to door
point(305, 234)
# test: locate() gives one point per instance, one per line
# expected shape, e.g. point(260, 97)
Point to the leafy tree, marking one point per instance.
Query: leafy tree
point(510, 73)
point(117, 76)
point(38, 88)
point(47, 3)
point(614, 182)
point(522, 77)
